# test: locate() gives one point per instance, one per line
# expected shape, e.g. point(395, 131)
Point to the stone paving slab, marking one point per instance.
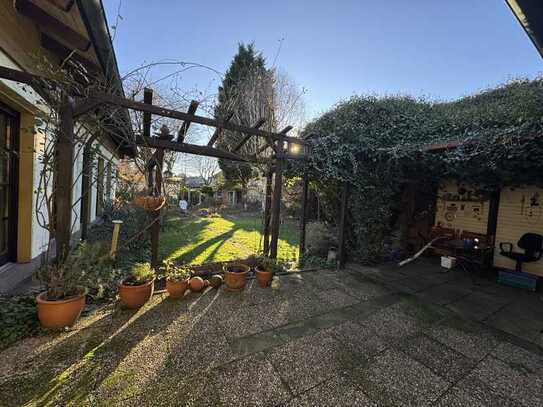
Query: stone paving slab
point(524, 388)
point(478, 305)
point(337, 391)
point(466, 337)
point(252, 381)
point(439, 358)
point(303, 363)
point(393, 378)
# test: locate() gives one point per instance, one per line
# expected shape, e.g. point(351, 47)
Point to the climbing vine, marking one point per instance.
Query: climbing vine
point(377, 144)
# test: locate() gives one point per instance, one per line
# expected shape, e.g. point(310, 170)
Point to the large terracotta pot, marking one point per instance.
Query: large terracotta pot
point(235, 276)
point(263, 277)
point(134, 296)
point(177, 288)
point(62, 313)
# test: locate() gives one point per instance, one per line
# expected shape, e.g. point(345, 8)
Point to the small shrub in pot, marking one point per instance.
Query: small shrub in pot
point(177, 279)
point(265, 269)
point(66, 282)
point(137, 288)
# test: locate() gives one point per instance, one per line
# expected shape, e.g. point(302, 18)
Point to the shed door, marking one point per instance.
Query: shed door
point(8, 185)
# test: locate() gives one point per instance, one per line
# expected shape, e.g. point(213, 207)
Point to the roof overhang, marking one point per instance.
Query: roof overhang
point(529, 14)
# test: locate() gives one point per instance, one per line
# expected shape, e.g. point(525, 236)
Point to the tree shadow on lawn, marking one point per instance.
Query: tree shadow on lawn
point(196, 251)
point(73, 368)
point(192, 231)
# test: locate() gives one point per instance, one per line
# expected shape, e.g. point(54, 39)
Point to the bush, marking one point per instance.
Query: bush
point(18, 319)
point(319, 238)
point(139, 274)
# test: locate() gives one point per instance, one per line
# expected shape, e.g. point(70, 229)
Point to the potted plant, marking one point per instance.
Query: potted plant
point(61, 304)
point(235, 276)
point(265, 269)
point(136, 289)
point(177, 279)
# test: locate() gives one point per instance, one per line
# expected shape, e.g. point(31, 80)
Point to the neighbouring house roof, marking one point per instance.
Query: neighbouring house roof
point(195, 182)
point(529, 14)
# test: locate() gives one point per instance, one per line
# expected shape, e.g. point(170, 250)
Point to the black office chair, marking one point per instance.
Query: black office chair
point(532, 243)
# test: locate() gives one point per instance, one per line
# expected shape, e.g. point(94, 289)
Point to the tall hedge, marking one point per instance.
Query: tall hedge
point(376, 144)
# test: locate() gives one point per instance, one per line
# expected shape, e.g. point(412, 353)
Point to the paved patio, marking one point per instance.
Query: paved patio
point(358, 337)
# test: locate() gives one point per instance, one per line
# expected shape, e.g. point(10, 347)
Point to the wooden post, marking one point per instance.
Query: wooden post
point(342, 223)
point(64, 179)
point(155, 228)
point(276, 201)
point(303, 215)
point(115, 238)
point(267, 213)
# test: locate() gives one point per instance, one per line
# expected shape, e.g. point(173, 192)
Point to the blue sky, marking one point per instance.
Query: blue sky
point(441, 49)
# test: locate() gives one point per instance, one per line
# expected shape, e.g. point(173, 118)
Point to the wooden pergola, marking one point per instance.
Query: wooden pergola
point(74, 107)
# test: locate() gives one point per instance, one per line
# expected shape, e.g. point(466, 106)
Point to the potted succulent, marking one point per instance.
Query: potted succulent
point(136, 289)
point(177, 279)
point(235, 276)
point(265, 269)
point(61, 304)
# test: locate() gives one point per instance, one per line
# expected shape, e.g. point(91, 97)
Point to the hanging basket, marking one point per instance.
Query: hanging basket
point(150, 203)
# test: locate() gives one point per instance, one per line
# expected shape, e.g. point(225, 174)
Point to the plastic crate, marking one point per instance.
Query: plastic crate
point(518, 279)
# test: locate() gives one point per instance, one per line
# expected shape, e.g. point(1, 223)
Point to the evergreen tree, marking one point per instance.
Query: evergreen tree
point(247, 93)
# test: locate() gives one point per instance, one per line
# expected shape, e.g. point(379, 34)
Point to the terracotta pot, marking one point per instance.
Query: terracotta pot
point(62, 313)
point(134, 296)
point(263, 277)
point(196, 284)
point(177, 288)
point(235, 276)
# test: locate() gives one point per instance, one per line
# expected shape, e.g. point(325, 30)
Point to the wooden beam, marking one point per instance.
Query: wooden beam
point(64, 159)
point(155, 142)
point(20, 76)
point(257, 125)
point(342, 225)
point(63, 52)
point(267, 212)
point(265, 146)
point(186, 124)
point(218, 131)
point(28, 9)
point(303, 215)
point(174, 114)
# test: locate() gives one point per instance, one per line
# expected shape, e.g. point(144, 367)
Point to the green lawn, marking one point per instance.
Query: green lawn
point(198, 240)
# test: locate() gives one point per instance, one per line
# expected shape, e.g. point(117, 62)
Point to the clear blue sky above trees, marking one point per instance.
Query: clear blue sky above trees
point(440, 49)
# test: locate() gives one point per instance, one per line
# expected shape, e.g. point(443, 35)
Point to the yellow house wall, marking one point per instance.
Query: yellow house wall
point(520, 211)
point(468, 216)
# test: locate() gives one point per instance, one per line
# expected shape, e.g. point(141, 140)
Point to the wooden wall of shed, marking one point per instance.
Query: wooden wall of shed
point(520, 212)
point(468, 216)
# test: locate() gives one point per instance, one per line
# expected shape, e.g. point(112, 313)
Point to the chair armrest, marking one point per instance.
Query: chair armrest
point(509, 247)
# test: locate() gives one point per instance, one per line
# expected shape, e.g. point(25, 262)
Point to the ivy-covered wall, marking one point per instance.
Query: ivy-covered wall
point(377, 144)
